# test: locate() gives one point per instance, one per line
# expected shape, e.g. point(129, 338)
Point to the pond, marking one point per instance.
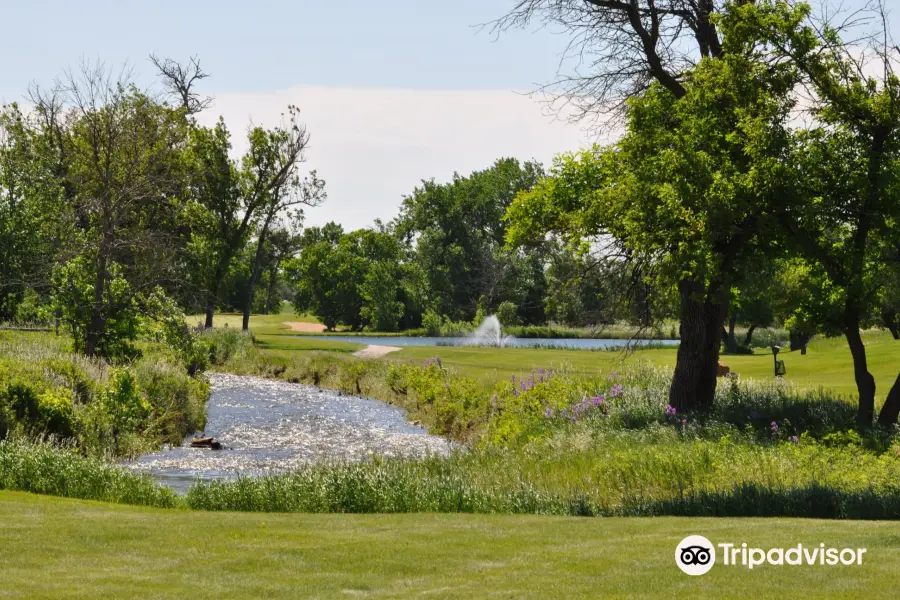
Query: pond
point(269, 426)
point(511, 342)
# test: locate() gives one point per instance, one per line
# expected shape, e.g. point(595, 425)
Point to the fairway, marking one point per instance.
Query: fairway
point(53, 548)
point(827, 364)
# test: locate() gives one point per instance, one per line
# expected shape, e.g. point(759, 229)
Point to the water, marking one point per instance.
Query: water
point(490, 333)
point(508, 342)
point(270, 426)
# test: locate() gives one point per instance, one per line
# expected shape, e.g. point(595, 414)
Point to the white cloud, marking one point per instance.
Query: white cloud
point(372, 146)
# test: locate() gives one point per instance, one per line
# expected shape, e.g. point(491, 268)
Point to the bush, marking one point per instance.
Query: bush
point(507, 314)
point(33, 310)
point(55, 413)
point(74, 283)
point(123, 401)
point(224, 345)
point(432, 323)
point(178, 400)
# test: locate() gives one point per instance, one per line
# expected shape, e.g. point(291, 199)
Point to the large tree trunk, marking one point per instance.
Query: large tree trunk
point(271, 305)
point(865, 383)
point(212, 289)
point(694, 381)
point(799, 340)
point(891, 409)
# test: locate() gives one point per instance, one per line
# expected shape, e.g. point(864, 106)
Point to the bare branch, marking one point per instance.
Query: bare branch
point(179, 79)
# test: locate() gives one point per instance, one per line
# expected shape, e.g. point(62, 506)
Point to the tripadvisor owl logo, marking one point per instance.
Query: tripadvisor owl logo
point(695, 555)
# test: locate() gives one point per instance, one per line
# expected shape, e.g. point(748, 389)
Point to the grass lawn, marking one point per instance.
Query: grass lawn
point(827, 364)
point(54, 548)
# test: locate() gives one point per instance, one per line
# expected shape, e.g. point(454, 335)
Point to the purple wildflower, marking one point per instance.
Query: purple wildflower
point(598, 400)
point(549, 413)
point(616, 390)
point(670, 411)
point(795, 439)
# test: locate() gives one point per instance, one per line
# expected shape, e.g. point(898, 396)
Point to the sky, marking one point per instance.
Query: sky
point(392, 92)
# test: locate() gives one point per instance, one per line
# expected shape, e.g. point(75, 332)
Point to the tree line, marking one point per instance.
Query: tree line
point(756, 182)
point(115, 202)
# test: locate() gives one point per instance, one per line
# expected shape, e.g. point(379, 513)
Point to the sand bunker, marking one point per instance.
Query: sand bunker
point(373, 351)
point(305, 327)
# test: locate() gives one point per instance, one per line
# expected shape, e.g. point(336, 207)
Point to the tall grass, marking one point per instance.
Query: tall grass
point(58, 471)
point(628, 473)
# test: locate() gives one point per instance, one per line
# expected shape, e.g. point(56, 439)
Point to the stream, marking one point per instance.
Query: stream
point(268, 426)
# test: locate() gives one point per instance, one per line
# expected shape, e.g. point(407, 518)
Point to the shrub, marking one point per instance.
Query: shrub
point(33, 310)
point(74, 283)
point(67, 374)
point(178, 400)
point(507, 314)
point(223, 345)
point(432, 323)
point(123, 401)
point(55, 413)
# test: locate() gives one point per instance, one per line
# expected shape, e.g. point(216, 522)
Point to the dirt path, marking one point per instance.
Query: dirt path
point(305, 327)
point(373, 351)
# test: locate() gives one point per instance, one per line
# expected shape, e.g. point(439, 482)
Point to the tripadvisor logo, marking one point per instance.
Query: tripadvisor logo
point(696, 555)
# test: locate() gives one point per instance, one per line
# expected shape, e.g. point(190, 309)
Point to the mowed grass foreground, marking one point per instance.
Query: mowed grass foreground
point(54, 548)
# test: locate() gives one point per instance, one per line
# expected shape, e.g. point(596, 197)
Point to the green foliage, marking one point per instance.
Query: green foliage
point(178, 400)
point(167, 323)
point(458, 232)
point(33, 309)
point(380, 308)
point(507, 314)
point(118, 324)
point(123, 401)
point(453, 403)
point(432, 323)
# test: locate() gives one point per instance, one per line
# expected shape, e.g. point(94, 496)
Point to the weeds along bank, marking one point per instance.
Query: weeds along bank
point(102, 409)
point(554, 442)
point(558, 442)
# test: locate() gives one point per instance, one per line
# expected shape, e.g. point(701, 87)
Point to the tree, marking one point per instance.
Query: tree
point(620, 47)
point(352, 280)
point(282, 244)
point(889, 305)
point(380, 308)
point(750, 304)
point(846, 169)
point(125, 170)
point(269, 171)
point(458, 231)
point(32, 217)
point(686, 194)
point(219, 216)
